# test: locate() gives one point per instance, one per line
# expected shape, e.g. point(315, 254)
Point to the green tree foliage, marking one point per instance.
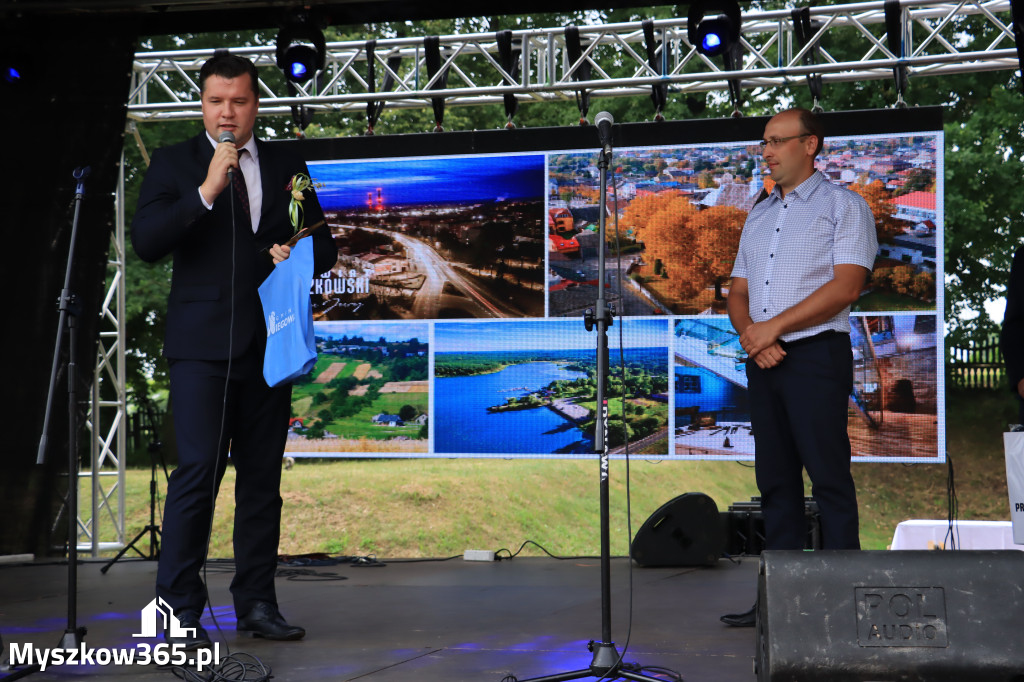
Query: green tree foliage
point(984, 207)
point(984, 157)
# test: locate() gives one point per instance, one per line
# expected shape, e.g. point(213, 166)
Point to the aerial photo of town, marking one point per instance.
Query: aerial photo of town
point(681, 212)
point(439, 237)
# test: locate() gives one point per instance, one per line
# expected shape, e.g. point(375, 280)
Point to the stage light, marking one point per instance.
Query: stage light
point(15, 69)
point(301, 49)
point(300, 62)
point(717, 34)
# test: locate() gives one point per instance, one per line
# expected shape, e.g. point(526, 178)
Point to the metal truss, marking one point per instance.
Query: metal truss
point(844, 43)
point(848, 43)
point(106, 420)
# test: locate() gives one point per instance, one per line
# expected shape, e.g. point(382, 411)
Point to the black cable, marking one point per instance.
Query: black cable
point(952, 539)
point(424, 561)
point(223, 411)
point(240, 667)
point(307, 575)
point(512, 555)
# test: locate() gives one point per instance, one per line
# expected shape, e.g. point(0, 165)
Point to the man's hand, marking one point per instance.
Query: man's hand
point(280, 253)
point(225, 156)
point(770, 356)
point(758, 336)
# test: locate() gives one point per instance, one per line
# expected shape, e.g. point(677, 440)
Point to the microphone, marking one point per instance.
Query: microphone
point(604, 122)
point(227, 136)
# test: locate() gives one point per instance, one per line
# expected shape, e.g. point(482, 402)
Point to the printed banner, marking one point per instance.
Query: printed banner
point(452, 324)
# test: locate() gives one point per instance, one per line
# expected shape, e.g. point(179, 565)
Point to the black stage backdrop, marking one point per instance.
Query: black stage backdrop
point(68, 112)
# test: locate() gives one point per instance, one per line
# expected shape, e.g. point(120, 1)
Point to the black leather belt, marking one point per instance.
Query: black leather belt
point(820, 336)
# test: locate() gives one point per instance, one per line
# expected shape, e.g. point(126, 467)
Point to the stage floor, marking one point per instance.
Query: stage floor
point(423, 621)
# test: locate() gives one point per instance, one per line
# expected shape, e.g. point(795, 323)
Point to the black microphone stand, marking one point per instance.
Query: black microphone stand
point(155, 450)
point(69, 309)
point(606, 662)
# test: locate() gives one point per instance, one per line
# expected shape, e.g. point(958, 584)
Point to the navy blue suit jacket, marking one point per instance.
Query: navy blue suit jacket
point(1012, 337)
point(213, 268)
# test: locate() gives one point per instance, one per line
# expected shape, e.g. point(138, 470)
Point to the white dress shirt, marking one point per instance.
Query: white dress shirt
point(790, 246)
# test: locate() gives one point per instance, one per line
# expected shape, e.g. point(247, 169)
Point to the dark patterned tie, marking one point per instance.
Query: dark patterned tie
point(238, 181)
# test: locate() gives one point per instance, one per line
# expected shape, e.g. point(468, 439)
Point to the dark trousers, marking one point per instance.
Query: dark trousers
point(798, 413)
point(255, 424)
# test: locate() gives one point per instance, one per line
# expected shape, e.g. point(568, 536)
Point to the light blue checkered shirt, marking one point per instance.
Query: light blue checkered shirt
point(789, 247)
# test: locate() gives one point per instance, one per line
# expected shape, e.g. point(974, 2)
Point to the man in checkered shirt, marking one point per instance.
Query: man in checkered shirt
point(804, 257)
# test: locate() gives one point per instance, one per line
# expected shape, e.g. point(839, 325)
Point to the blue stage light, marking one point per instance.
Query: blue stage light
point(711, 42)
point(713, 26)
point(301, 49)
point(11, 74)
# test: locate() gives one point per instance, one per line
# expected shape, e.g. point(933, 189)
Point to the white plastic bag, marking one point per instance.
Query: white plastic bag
point(1013, 442)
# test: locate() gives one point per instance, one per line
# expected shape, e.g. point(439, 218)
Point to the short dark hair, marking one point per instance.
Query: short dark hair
point(812, 125)
point(227, 65)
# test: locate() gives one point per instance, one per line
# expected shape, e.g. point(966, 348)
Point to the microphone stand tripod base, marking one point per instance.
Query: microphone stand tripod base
point(605, 658)
point(72, 639)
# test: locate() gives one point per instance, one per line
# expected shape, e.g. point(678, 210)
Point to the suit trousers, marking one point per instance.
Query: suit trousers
point(798, 414)
point(212, 411)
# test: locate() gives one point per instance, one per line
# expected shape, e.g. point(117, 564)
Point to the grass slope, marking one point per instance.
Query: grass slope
point(441, 507)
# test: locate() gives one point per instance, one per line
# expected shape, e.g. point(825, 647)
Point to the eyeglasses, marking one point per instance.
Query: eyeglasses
point(776, 141)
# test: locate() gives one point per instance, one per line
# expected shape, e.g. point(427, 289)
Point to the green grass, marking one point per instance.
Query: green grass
point(360, 426)
point(440, 507)
point(887, 300)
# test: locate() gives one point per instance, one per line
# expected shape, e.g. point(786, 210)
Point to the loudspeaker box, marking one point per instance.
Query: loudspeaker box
point(685, 531)
point(907, 616)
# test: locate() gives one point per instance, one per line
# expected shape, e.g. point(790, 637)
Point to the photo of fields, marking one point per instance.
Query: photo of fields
point(528, 388)
point(369, 391)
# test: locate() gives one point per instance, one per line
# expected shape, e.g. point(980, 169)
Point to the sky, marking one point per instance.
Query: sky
point(345, 184)
point(394, 332)
point(553, 334)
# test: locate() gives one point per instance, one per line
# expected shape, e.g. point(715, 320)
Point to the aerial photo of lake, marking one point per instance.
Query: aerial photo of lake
point(493, 391)
point(465, 425)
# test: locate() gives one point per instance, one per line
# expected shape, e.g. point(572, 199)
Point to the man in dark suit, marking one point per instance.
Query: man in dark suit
point(1012, 337)
point(225, 234)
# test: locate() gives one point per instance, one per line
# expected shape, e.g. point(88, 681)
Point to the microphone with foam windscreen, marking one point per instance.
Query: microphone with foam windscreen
point(604, 122)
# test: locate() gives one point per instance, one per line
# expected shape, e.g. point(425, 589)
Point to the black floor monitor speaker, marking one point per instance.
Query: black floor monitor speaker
point(935, 616)
point(685, 531)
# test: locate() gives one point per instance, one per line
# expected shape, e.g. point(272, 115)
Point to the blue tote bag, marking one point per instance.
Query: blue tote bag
point(291, 348)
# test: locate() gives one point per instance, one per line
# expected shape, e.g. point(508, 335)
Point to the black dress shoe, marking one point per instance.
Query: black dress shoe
point(196, 637)
point(264, 620)
point(747, 619)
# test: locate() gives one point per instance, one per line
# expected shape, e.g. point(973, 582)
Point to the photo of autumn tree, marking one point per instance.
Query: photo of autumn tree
point(681, 212)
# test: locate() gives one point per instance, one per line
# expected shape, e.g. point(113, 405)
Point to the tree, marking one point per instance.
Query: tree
point(878, 198)
point(984, 214)
point(984, 139)
point(407, 413)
